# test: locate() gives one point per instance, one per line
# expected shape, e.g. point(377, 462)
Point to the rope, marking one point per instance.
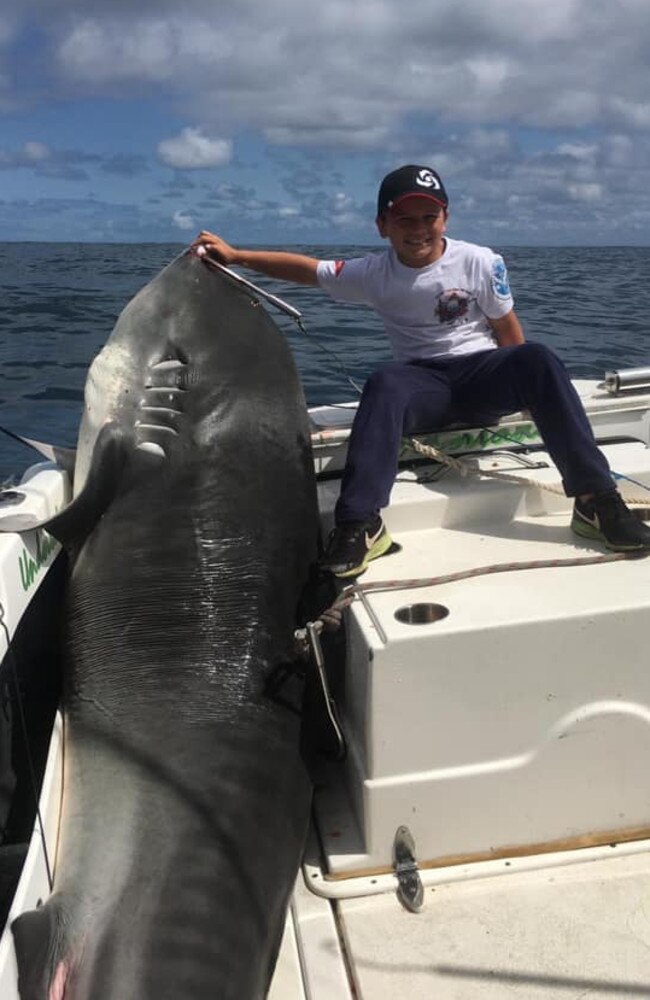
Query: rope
point(332, 617)
point(357, 589)
point(440, 456)
point(464, 469)
point(328, 621)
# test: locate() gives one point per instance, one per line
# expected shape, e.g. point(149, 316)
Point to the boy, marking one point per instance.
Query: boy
point(460, 355)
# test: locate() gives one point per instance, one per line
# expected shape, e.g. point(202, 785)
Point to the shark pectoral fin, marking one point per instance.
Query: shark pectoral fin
point(64, 457)
point(38, 940)
point(75, 522)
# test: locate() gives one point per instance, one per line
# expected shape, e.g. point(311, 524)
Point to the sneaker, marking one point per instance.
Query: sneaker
point(351, 546)
point(607, 518)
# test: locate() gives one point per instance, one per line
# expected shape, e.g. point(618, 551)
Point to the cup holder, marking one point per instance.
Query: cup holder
point(421, 614)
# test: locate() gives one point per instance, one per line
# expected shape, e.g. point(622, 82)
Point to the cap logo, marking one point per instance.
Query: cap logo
point(426, 179)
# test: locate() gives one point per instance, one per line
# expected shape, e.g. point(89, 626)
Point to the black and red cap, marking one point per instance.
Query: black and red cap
point(408, 181)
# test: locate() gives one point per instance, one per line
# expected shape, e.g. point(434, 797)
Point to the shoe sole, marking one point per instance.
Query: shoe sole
point(593, 534)
point(380, 548)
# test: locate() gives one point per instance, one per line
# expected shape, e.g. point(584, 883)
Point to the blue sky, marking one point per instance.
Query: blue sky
point(273, 122)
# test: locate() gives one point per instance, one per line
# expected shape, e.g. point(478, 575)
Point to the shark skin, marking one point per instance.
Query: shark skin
point(191, 536)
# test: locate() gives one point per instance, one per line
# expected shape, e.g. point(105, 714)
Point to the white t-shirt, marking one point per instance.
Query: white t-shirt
point(428, 312)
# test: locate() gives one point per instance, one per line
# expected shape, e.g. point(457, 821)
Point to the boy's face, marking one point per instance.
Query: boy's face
point(415, 228)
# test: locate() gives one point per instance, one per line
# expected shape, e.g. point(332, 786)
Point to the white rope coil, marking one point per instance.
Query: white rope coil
point(463, 468)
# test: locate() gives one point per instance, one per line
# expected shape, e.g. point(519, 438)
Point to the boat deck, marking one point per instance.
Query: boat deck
point(556, 934)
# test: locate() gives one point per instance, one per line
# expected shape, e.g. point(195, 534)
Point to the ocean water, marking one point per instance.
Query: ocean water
point(59, 303)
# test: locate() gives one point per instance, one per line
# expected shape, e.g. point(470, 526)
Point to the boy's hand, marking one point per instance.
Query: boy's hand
point(216, 247)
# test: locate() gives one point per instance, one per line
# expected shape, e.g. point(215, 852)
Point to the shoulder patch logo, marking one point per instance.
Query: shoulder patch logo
point(338, 267)
point(499, 277)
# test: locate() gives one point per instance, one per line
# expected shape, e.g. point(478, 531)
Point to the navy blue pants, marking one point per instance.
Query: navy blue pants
point(401, 399)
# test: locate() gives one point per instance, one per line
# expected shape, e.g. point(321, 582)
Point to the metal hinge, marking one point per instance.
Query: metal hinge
point(410, 891)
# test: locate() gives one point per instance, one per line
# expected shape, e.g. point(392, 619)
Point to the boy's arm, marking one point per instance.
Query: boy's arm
point(507, 330)
point(275, 263)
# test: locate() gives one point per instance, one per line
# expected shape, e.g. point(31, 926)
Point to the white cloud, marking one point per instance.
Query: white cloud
point(148, 49)
point(635, 113)
point(586, 192)
point(490, 73)
point(354, 137)
point(183, 220)
point(490, 142)
point(318, 74)
point(529, 111)
point(577, 150)
point(192, 150)
point(30, 155)
point(36, 151)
